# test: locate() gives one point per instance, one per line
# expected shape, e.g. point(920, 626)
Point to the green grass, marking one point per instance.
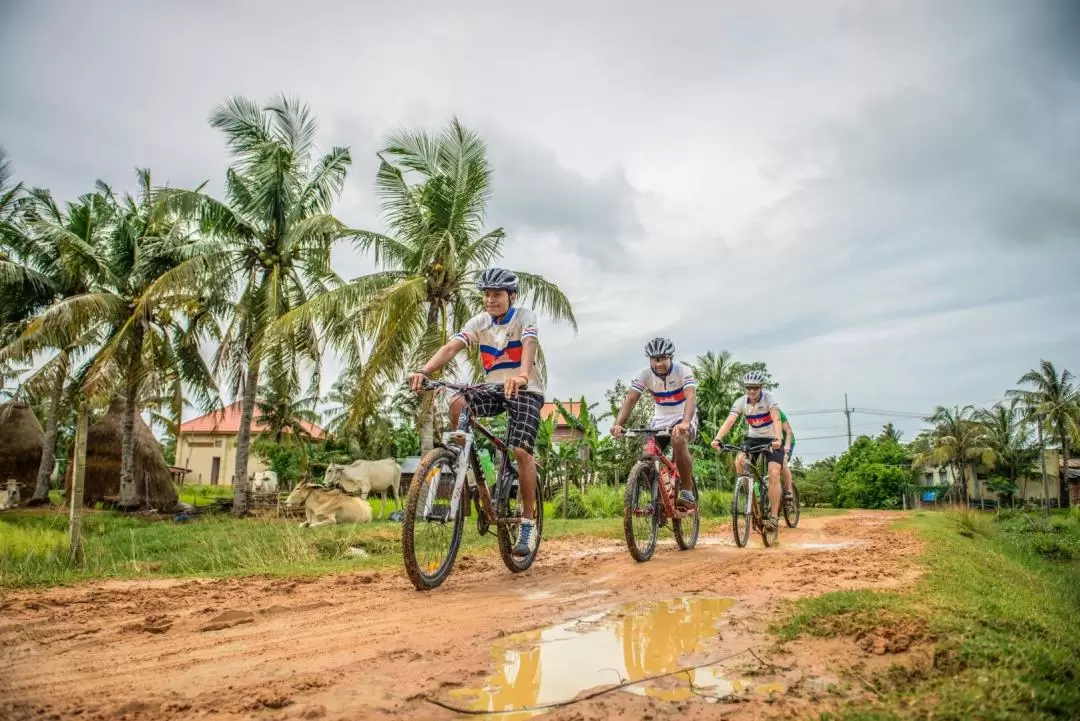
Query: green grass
point(999, 614)
point(33, 546)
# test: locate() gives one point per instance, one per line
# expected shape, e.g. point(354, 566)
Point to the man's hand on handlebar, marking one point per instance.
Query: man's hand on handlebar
point(617, 431)
point(416, 381)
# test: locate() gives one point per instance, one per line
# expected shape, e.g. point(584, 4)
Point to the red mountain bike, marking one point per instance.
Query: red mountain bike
point(650, 499)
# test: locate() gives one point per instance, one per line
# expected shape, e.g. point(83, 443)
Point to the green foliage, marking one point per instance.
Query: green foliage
point(872, 474)
point(714, 504)
point(596, 502)
point(998, 614)
point(284, 459)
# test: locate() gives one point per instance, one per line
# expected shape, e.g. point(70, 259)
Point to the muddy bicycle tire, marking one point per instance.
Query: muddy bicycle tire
point(769, 538)
point(740, 518)
point(642, 472)
point(687, 538)
point(791, 515)
point(421, 580)
point(507, 541)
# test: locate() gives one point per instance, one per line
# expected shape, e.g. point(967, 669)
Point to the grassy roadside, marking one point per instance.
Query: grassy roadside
point(997, 603)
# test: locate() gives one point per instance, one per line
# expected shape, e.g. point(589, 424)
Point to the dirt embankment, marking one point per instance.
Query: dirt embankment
point(367, 645)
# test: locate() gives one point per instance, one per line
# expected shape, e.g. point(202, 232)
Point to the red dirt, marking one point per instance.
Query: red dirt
point(366, 645)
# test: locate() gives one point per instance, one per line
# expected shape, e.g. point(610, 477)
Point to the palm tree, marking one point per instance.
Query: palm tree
point(1008, 434)
point(58, 255)
point(956, 440)
point(889, 433)
point(281, 413)
point(147, 320)
point(1056, 398)
point(274, 234)
point(435, 249)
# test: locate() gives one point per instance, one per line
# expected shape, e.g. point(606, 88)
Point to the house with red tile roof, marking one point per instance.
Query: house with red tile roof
point(206, 446)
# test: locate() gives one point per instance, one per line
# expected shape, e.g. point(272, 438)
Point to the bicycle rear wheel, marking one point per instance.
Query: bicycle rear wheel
point(740, 511)
point(686, 528)
point(510, 507)
point(791, 514)
point(430, 544)
point(640, 512)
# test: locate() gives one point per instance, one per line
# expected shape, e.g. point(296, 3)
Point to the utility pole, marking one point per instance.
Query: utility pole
point(847, 412)
point(1042, 457)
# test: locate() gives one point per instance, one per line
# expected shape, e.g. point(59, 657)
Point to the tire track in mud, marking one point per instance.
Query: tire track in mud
point(366, 645)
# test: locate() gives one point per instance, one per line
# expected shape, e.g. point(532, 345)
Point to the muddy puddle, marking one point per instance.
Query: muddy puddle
point(634, 645)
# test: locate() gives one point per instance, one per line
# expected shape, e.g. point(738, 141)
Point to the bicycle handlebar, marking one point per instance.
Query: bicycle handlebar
point(431, 385)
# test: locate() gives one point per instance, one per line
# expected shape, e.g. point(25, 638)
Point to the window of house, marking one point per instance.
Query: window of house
point(217, 443)
point(929, 479)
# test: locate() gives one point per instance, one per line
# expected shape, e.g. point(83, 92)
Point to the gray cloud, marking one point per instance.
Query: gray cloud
point(894, 183)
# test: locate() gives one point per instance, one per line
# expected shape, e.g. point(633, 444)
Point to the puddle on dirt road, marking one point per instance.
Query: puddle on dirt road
point(633, 642)
point(826, 546)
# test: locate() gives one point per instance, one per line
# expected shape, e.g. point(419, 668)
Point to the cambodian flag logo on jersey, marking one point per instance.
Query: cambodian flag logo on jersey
point(669, 398)
point(494, 359)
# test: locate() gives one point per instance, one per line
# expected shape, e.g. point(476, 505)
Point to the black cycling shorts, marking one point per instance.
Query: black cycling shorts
point(755, 448)
point(522, 413)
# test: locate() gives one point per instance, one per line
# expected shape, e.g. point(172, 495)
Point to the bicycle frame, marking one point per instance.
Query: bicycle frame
point(652, 452)
point(461, 442)
point(760, 478)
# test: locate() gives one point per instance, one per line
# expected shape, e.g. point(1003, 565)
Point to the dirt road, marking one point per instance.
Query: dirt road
point(367, 645)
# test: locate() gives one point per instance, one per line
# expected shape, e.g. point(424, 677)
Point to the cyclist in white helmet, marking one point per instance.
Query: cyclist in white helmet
point(765, 434)
point(506, 338)
point(674, 392)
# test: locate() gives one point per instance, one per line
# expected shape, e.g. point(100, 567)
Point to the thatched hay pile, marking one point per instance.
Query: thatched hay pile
point(103, 444)
point(21, 442)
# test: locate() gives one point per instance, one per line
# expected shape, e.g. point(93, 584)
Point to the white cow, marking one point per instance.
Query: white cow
point(367, 476)
point(9, 497)
point(264, 482)
point(322, 506)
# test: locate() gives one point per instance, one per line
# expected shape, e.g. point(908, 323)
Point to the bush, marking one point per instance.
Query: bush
point(597, 502)
point(714, 504)
point(1054, 548)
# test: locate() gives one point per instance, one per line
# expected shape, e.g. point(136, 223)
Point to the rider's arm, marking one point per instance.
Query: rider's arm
point(732, 417)
point(528, 344)
point(788, 436)
point(774, 413)
point(443, 356)
point(690, 405)
point(627, 405)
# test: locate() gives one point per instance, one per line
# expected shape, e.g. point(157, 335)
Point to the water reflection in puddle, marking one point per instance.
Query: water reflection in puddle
point(631, 643)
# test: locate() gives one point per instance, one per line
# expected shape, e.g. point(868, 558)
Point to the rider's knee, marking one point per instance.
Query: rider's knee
point(522, 455)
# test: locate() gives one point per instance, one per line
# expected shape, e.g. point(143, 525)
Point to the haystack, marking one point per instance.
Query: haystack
point(21, 442)
point(103, 445)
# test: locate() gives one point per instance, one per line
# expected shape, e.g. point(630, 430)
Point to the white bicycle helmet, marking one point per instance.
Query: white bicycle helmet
point(659, 347)
point(754, 378)
point(498, 279)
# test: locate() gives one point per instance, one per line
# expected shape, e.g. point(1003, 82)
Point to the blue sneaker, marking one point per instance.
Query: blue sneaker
point(526, 542)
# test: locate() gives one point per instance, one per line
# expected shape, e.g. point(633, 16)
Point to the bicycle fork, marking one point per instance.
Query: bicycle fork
point(460, 442)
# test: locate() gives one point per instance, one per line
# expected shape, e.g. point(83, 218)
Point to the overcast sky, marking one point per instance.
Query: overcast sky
point(875, 198)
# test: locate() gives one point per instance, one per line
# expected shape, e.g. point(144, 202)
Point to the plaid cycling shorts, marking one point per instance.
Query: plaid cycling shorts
point(523, 413)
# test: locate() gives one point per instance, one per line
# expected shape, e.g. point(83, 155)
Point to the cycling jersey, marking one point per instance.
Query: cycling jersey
point(669, 392)
point(500, 346)
point(757, 414)
point(783, 419)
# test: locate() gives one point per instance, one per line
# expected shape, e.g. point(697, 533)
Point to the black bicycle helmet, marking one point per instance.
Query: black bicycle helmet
point(659, 347)
point(498, 279)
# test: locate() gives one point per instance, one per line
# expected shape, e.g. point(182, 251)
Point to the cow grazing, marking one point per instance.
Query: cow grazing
point(9, 497)
point(365, 477)
point(322, 506)
point(264, 482)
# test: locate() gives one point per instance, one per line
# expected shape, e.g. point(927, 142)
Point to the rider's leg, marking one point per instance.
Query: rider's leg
point(739, 460)
point(455, 410)
point(680, 448)
point(787, 476)
point(774, 487)
point(527, 480)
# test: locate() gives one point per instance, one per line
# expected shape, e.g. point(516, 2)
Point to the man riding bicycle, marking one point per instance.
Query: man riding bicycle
point(674, 392)
point(506, 337)
point(763, 436)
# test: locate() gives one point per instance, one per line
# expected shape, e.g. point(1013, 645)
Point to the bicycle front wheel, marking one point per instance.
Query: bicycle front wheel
point(740, 511)
point(686, 528)
point(640, 516)
point(791, 513)
point(430, 538)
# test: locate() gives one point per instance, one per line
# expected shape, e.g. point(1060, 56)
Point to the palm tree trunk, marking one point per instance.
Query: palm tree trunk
point(1064, 477)
point(243, 438)
point(427, 414)
point(129, 491)
point(48, 453)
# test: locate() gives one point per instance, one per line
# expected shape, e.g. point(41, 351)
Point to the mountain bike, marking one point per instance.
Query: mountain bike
point(750, 501)
point(442, 494)
point(656, 478)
